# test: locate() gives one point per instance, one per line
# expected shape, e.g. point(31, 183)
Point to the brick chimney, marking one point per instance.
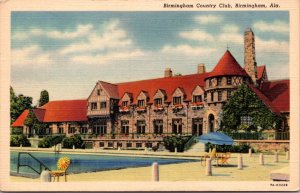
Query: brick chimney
point(249, 55)
point(168, 72)
point(201, 68)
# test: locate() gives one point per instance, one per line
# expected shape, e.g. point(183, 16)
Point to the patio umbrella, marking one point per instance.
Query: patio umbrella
point(216, 138)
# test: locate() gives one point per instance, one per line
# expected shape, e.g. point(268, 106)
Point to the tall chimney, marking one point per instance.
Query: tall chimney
point(168, 72)
point(201, 68)
point(249, 55)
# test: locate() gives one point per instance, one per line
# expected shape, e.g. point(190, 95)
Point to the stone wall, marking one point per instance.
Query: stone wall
point(267, 145)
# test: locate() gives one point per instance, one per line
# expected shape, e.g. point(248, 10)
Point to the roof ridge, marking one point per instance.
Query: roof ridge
point(107, 82)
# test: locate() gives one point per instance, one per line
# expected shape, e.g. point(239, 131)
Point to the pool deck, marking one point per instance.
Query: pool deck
point(189, 171)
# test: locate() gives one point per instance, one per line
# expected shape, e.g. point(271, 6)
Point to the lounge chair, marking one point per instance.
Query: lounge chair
point(223, 158)
point(62, 166)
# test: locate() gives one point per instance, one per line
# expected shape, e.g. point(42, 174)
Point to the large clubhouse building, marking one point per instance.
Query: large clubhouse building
point(139, 114)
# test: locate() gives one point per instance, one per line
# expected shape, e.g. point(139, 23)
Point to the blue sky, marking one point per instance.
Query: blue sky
point(66, 53)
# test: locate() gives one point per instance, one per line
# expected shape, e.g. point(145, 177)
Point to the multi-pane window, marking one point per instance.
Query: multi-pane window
point(102, 105)
point(124, 103)
point(128, 144)
point(60, 130)
point(138, 145)
point(141, 103)
point(177, 126)
point(125, 127)
point(219, 95)
point(219, 81)
point(228, 94)
point(246, 120)
point(93, 106)
point(229, 80)
point(212, 96)
point(176, 100)
point(100, 127)
point(71, 130)
point(158, 126)
point(158, 101)
point(197, 98)
point(141, 126)
point(83, 130)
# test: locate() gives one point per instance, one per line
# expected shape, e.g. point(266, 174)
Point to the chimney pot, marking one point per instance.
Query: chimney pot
point(201, 68)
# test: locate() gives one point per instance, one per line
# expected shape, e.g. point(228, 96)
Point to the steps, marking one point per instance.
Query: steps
point(197, 147)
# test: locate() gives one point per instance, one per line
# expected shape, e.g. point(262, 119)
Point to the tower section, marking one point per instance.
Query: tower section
point(249, 55)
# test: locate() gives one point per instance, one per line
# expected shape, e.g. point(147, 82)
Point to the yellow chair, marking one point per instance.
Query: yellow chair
point(212, 155)
point(62, 166)
point(223, 158)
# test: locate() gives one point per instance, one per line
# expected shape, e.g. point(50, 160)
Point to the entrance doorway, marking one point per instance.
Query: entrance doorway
point(197, 125)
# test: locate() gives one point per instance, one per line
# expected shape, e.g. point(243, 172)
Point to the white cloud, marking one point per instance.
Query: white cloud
point(188, 50)
point(231, 38)
point(230, 28)
point(31, 56)
point(271, 45)
point(197, 35)
point(275, 26)
point(112, 38)
point(209, 19)
point(105, 58)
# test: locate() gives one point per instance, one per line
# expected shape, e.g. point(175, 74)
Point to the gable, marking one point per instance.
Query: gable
point(198, 91)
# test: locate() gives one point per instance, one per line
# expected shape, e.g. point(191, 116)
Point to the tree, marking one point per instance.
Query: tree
point(44, 98)
point(32, 122)
point(245, 103)
point(18, 104)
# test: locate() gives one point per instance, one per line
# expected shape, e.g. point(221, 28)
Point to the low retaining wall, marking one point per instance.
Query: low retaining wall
point(267, 145)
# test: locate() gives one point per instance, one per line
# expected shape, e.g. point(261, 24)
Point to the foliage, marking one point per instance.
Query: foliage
point(154, 148)
point(50, 141)
point(243, 148)
point(16, 131)
point(244, 102)
point(44, 98)
point(17, 140)
point(171, 142)
point(31, 121)
point(18, 104)
point(73, 140)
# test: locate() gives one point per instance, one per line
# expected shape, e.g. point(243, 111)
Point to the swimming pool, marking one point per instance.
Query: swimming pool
point(81, 163)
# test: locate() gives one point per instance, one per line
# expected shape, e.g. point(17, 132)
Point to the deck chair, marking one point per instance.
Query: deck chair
point(62, 166)
point(223, 158)
point(211, 155)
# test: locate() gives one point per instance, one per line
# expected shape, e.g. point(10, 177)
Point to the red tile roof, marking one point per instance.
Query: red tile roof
point(260, 71)
point(111, 89)
point(19, 122)
point(227, 65)
point(169, 84)
point(278, 91)
point(57, 111)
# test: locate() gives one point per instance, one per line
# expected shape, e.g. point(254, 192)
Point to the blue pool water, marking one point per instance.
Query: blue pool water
point(86, 163)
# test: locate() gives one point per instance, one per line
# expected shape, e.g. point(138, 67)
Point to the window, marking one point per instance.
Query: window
point(100, 127)
point(71, 130)
point(212, 96)
point(197, 98)
point(148, 145)
point(93, 106)
point(141, 126)
point(228, 94)
point(158, 126)
point(177, 126)
point(102, 105)
point(60, 130)
point(219, 95)
point(128, 144)
point(98, 92)
point(158, 101)
point(141, 103)
point(125, 127)
point(110, 144)
point(246, 120)
point(229, 80)
point(176, 100)
point(83, 130)
point(124, 103)
point(138, 145)
point(219, 81)
point(210, 82)
point(101, 144)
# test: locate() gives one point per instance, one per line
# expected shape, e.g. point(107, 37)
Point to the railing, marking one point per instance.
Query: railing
point(38, 170)
point(190, 142)
point(260, 136)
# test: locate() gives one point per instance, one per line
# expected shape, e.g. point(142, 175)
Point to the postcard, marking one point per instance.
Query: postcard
point(149, 95)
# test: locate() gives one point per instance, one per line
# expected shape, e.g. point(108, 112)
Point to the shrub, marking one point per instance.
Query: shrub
point(50, 141)
point(172, 142)
point(154, 148)
point(73, 140)
point(243, 148)
point(17, 140)
point(16, 131)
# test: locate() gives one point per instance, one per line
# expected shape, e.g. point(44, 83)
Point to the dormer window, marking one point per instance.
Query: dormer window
point(176, 100)
point(93, 106)
point(197, 98)
point(141, 103)
point(125, 103)
point(158, 101)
